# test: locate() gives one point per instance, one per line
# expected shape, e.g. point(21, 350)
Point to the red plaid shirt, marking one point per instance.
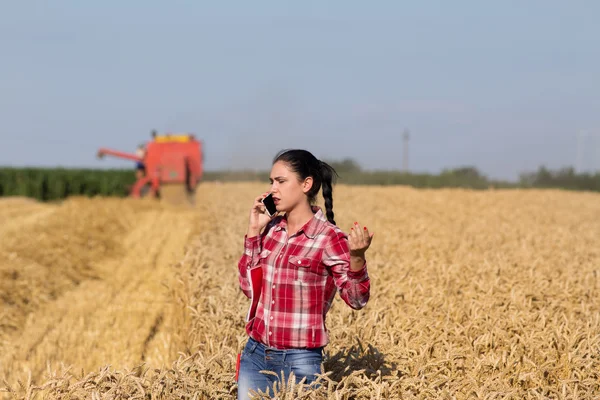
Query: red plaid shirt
point(300, 276)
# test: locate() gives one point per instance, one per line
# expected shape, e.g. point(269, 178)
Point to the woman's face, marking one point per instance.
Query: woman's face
point(288, 191)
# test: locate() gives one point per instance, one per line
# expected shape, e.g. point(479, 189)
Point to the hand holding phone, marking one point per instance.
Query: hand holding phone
point(261, 213)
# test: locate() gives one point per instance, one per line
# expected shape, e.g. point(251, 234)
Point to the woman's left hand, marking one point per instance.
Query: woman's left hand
point(359, 240)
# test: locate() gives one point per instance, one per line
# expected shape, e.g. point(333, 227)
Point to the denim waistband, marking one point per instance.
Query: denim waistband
point(253, 343)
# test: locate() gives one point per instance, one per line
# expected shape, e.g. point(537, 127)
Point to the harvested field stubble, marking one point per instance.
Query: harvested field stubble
point(474, 295)
point(86, 286)
point(46, 250)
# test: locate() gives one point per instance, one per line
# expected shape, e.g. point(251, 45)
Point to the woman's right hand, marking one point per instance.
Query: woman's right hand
point(258, 216)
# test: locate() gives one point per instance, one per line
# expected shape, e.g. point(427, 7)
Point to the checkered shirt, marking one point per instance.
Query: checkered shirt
point(300, 277)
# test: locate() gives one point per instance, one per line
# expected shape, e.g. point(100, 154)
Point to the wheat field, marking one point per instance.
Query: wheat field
point(475, 295)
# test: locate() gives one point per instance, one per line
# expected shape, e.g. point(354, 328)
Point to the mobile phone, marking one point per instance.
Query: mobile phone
point(270, 205)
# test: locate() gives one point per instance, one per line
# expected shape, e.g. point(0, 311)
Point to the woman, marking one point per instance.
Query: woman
point(292, 270)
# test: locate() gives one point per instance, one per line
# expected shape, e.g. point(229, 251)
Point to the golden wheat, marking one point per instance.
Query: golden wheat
point(86, 286)
point(474, 295)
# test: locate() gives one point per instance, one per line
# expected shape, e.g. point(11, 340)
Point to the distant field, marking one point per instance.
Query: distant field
point(50, 184)
point(475, 294)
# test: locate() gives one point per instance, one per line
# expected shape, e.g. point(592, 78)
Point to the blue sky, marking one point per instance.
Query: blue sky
point(505, 87)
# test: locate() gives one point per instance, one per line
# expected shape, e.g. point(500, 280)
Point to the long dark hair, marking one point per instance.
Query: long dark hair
point(304, 164)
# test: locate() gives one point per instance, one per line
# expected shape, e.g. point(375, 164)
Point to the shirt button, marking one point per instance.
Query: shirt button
point(299, 262)
point(271, 318)
point(270, 333)
point(273, 286)
point(273, 302)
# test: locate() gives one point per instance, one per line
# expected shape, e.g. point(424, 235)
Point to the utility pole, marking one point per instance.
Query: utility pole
point(580, 148)
point(405, 137)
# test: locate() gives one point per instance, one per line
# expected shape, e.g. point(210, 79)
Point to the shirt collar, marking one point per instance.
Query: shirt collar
point(312, 227)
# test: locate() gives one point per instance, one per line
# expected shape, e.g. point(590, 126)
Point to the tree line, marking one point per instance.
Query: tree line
point(47, 184)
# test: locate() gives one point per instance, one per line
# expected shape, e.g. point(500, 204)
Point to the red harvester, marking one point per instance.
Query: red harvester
point(169, 160)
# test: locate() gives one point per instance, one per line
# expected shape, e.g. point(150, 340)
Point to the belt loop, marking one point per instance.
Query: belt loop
point(253, 345)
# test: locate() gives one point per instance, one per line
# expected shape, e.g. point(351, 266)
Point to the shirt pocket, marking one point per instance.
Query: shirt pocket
point(263, 257)
point(306, 269)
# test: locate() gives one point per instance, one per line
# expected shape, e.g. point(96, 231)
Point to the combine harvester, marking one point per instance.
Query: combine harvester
point(173, 168)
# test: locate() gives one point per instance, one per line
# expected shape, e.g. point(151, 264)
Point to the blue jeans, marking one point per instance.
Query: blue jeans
point(256, 357)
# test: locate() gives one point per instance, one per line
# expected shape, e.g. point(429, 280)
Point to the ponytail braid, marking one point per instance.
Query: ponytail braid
point(328, 176)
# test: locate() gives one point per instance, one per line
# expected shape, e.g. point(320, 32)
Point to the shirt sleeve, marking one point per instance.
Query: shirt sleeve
point(354, 286)
point(252, 249)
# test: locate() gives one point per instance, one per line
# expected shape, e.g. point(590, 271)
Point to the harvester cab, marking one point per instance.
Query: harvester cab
point(172, 165)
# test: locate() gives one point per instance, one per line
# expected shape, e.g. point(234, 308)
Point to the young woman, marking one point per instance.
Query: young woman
point(291, 268)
